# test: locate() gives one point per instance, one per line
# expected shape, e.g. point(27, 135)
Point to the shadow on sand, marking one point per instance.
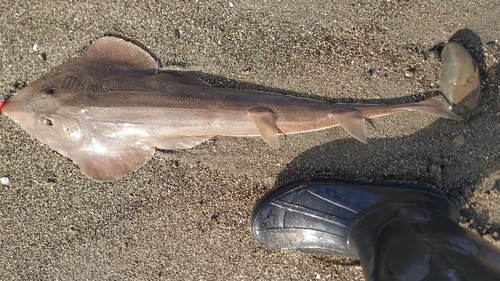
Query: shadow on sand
point(456, 157)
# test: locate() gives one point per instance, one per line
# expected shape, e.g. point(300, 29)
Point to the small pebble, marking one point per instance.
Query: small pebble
point(409, 73)
point(459, 140)
point(433, 54)
point(4, 180)
point(491, 45)
point(43, 56)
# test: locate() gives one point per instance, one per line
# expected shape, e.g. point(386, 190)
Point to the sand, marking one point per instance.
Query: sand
point(184, 215)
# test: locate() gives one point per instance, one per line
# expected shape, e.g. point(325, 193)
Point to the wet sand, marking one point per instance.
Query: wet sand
point(184, 215)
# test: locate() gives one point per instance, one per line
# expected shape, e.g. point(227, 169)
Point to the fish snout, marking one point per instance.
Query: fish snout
point(10, 106)
point(15, 106)
point(15, 110)
point(15, 102)
point(7, 106)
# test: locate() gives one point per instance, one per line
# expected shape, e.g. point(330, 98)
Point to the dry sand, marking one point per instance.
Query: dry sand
point(184, 215)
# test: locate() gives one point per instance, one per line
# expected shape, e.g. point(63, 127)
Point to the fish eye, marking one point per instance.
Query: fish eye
point(46, 91)
point(48, 122)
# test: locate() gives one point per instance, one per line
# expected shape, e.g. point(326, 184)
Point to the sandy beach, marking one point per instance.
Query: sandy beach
point(184, 215)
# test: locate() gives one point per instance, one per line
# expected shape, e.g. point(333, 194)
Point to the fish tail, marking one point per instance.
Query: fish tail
point(431, 106)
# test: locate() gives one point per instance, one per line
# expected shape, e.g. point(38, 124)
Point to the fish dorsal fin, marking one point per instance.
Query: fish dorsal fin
point(119, 54)
point(265, 120)
point(352, 120)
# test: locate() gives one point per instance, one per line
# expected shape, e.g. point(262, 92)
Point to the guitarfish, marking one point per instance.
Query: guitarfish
point(109, 109)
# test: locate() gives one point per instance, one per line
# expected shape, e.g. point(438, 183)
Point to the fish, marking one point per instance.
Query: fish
point(109, 109)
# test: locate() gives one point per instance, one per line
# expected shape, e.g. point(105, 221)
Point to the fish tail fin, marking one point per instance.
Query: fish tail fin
point(431, 106)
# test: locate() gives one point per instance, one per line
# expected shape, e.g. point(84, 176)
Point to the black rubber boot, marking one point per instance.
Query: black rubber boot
point(398, 231)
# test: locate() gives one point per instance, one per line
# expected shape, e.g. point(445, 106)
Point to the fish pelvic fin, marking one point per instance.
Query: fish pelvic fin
point(265, 120)
point(352, 120)
point(431, 106)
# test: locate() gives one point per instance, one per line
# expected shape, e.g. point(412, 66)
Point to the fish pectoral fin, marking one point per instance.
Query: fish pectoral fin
point(120, 55)
point(112, 160)
point(178, 142)
point(352, 120)
point(265, 120)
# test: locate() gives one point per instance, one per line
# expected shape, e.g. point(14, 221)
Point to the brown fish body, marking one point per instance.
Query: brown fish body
point(173, 108)
point(162, 106)
point(109, 109)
